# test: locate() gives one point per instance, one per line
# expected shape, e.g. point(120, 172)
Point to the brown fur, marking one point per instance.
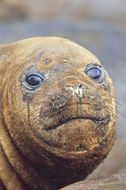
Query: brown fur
point(48, 136)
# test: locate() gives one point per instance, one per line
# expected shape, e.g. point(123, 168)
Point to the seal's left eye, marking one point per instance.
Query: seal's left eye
point(34, 80)
point(95, 72)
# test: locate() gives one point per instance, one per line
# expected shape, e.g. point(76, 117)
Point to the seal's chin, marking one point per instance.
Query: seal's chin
point(76, 135)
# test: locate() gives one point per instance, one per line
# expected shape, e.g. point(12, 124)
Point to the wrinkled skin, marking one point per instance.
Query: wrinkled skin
point(57, 133)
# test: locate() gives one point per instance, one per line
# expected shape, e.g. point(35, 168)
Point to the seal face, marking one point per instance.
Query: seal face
point(59, 107)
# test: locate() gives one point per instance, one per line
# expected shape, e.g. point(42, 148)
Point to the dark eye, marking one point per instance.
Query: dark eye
point(95, 72)
point(34, 80)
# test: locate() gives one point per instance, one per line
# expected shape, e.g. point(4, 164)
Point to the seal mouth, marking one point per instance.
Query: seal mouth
point(98, 121)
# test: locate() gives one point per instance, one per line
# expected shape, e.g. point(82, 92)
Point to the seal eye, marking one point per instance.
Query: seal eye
point(95, 72)
point(34, 80)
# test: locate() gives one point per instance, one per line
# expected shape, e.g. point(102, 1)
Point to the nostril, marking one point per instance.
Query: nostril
point(80, 86)
point(79, 90)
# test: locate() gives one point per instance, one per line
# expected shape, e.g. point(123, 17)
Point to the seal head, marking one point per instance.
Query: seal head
point(59, 108)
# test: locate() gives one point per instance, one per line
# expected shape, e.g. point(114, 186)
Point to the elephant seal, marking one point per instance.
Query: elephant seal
point(58, 113)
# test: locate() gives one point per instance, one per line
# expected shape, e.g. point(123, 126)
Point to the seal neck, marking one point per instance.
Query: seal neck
point(17, 167)
point(22, 175)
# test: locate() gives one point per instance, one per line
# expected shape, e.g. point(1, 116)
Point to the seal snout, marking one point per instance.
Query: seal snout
point(69, 94)
point(78, 100)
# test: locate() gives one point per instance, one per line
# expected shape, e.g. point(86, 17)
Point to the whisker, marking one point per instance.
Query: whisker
point(120, 114)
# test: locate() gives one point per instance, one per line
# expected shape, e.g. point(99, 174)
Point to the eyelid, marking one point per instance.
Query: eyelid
point(94, 65)
point(34, 73)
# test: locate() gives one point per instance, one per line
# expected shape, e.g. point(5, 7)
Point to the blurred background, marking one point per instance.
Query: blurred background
point(99, 25)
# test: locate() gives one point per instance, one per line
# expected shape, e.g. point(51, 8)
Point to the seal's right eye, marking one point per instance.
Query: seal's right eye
point(34, 80)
